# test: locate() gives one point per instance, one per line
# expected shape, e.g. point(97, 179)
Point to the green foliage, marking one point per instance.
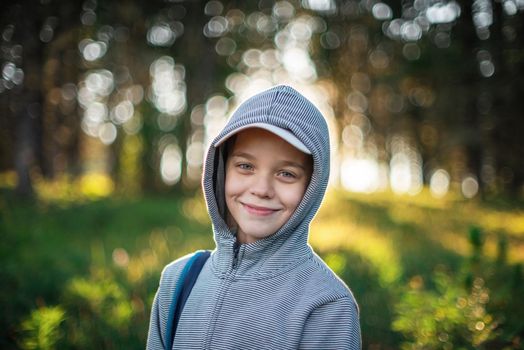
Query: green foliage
point(41, 330)
point(102, 297)
point(99, 262)
point(387, 249)
point(477, 308)
point(103, 313)
point(476, 238)
point(450, 317)
point(375, 299)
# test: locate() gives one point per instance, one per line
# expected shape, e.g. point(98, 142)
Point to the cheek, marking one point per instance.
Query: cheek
point(293, 196)
point(232, 185)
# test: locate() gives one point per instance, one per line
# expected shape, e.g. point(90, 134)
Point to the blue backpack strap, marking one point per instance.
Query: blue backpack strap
point(183, 287)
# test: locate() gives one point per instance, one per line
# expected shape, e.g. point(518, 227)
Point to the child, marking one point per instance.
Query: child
point(263, 287)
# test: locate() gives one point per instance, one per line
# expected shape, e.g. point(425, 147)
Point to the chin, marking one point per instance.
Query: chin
point(256, 234)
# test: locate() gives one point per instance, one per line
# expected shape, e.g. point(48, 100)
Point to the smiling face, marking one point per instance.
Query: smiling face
point(266, 179)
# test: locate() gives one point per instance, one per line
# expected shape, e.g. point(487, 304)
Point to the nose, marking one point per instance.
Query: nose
point(262, 186)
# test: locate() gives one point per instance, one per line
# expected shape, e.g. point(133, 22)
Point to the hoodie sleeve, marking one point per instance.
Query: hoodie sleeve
point(160, 307)
point(161, 303)
point(334, 325)
point(154, 336)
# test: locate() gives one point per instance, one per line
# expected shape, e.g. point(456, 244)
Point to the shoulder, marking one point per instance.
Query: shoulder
point(333, 321)
point(328, 286)
point(172, 271)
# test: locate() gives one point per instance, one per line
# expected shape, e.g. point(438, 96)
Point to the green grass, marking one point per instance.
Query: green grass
point(46, 245)
point(384, 245)
point(81, 273)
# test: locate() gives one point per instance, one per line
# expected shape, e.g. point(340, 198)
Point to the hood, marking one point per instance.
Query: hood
point(284, 107)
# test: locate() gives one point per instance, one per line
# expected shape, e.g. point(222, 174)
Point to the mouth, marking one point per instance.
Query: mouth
point(257, 210)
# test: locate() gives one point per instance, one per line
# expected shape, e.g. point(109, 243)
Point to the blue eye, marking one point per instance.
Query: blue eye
point(245, 166)
point(287, 174)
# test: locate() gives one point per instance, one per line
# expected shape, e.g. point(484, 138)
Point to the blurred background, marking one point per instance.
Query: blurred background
point(107, 107)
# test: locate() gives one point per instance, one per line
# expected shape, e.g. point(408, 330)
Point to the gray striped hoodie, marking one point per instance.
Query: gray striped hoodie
point(275, 293)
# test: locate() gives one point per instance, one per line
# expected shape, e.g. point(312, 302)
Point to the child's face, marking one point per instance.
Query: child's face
point(266, 179)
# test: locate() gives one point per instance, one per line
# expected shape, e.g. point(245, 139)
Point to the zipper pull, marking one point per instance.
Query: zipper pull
point(236, 249)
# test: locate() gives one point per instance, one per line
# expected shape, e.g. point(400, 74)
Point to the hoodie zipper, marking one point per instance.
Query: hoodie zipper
point(236, 249)
point(224, 287)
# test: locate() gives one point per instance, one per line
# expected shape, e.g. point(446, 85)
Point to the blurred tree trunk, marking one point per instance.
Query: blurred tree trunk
point(44, 64)
point(60, 121)
point(507, 88)
point(28, 104)
point(198, 55)
point(457, 83)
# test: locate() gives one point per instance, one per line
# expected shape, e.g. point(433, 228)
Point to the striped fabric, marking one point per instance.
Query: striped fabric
point(275, 293)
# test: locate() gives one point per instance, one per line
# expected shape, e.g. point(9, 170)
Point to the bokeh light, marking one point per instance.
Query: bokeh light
point(382, 11)
point(216, 27)
point(92, 50)
point(171, 164)
point(357, 102)
point(441, 12)
point(469, 186)
point(325, 6)
point(405, 171)
point(410, 31)
point(360, 175)
point(107, 133)
point(215, 118)
point(168, 89)
point(161, 34)
point(100, 82)
point(439, 183)
point(122, 112)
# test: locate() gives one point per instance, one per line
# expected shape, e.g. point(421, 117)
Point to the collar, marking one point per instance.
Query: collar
point(265, 258)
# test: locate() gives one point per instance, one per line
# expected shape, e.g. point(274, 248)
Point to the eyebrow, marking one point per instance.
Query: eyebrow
point(283, 162)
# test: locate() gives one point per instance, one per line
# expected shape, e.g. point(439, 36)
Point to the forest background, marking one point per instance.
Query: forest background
point(107, 107)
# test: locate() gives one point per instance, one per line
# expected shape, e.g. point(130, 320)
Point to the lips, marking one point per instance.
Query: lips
point(257, 210)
